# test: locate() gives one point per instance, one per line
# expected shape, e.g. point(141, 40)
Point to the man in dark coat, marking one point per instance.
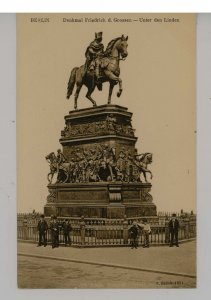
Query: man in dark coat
point(54, 226)
point(173, 230)
point(67, 228)
point(42, 229)
point(133, 234)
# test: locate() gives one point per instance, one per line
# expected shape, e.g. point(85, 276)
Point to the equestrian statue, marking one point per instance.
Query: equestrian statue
point(142, 161)
point(100, 66)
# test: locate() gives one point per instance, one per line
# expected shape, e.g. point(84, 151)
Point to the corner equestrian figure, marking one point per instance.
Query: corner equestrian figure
point(60, 158)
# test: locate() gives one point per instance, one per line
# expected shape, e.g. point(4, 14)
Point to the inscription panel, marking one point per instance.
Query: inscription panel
point(130, 195)
point(84, 211)
point(83, 195)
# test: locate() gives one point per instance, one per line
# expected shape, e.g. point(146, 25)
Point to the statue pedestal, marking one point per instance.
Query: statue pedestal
point(103, 181)
point(102, 200)
point(88, 128)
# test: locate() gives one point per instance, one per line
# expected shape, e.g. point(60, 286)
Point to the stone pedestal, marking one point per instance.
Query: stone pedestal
point(103, 180)
point(103, 125)
point(102, 200)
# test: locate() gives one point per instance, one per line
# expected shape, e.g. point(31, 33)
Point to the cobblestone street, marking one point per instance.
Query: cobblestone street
point(156, 267)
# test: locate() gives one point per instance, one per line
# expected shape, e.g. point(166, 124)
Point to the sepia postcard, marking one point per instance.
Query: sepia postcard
point(106, 150)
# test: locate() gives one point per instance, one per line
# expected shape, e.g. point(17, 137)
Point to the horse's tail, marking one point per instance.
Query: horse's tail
point(71, 82)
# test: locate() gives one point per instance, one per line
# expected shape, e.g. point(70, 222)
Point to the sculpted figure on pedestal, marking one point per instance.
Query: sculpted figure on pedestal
point(99, 163)
point(142, 161)
point(111, 123)
point(100, 67)
point(51, 159)
point(94, 53)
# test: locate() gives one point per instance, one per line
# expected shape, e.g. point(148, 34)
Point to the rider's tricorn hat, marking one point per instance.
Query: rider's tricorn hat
point(98, 35)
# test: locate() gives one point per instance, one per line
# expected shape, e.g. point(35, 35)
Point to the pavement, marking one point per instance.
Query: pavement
point(160, 260)
point(47, 273)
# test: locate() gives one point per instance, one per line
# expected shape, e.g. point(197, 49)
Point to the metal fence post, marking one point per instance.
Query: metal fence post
point(194, 229)
point(25, 229)
point(125, 230)
point(186, 221)
point(82, 228)
point(166, 231)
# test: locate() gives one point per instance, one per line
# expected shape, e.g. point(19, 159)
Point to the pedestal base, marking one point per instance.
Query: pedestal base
point(101, 200)
point(102, 170)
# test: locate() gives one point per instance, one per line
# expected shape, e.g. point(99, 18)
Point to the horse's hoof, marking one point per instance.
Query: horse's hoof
point(94, 105)
point(118, 94)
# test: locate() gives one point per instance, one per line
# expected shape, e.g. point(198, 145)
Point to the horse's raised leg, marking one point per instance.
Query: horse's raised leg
point(110, 91)
point(67, 177)
point(120, 88)
point(116, 79)
point(51, 178)
point(88, 95)
point(48, 177)
point(145, 176)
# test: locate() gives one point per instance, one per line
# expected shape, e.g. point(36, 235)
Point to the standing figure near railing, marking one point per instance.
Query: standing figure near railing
point(42, 227)
point(54, 227)
point(173, 230)
point(133, 234)
point(146, 231)
point(67, 228)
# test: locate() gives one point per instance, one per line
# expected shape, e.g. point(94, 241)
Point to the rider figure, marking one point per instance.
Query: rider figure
point(93, 53)
point(60, 159)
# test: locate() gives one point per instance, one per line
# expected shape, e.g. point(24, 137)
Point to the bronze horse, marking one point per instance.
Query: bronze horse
point(115, 51)
point(144, 160)
point(51, 159)
point(62, 170)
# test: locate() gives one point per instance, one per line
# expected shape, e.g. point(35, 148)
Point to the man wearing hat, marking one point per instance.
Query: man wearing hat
point(93, 53)
point(133, 234)
point(173, 230)
point(42, 229)
point(67, 228)
point(145, 226)
point(54, 226)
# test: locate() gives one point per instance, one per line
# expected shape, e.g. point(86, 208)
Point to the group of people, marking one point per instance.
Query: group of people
point(134, 230)
point(144, 227)
point(54, 228)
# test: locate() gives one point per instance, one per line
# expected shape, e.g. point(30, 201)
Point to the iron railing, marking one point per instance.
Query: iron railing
point(106, 232)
